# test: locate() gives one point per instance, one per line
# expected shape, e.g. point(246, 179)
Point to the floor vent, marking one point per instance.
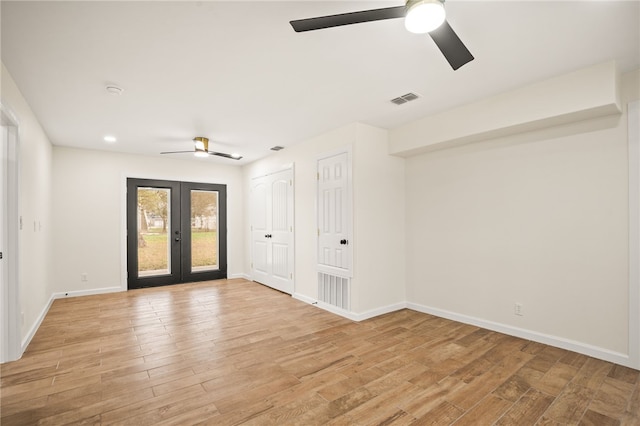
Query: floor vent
point(334, 290)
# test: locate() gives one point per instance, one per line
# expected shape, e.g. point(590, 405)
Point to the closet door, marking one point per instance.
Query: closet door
point(272, 230)
point(334, 233)
point(260, 248)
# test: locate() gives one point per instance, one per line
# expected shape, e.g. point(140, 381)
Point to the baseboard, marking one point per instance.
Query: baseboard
point(36, 325)
point(571, 345)
point(91, 292)
point(34, 328)
point(239, 275)
point(379, 311)
point(304, 298)
point(347, 314)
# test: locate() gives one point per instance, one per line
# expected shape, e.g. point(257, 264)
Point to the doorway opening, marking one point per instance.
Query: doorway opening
point(176, 232)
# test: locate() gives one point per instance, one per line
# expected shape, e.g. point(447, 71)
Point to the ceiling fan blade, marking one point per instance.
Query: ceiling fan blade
point(222, 154)
point(451, 46)
point(329, 21)
point(176, 152)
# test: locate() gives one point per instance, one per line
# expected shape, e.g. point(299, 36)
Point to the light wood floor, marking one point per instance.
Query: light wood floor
point(232, 352)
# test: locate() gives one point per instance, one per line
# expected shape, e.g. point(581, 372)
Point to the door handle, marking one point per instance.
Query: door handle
point(344, 242)
point(268, 236)
point(177, 238)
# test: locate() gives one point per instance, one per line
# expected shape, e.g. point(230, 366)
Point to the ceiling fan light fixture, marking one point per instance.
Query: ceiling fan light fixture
point(201, 146)
point(424, 16)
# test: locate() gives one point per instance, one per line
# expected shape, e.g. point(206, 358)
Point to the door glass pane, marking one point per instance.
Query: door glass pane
point(204, 230)
point(154, 246)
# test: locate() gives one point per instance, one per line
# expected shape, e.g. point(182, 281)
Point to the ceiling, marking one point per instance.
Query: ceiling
point(237, 73)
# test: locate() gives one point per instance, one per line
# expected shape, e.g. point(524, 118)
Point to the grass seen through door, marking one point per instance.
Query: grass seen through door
point(153, 256)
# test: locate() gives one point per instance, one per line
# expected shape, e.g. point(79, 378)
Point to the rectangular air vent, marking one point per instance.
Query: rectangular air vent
point(277, 148)
point(404, 98)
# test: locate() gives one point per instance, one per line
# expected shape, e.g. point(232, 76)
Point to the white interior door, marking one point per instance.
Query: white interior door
point(260, 249)
point(272, 230)
point(333, 213)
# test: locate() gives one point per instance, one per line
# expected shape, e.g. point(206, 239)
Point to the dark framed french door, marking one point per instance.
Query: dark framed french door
point(176, 232)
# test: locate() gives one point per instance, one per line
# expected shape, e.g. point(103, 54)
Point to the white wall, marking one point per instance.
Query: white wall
point(540, 219)
point(35, 237)
point(378, 210)
point(379, 226)
point(89, 207)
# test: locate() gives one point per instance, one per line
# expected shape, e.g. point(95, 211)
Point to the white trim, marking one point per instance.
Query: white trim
point(633, 114)
point(571, 345)
point(351, 315)
point(239, 275)
point(90, 292)
point(12, 321)
point(62, 295)
point(305, 299)
point(34, 328)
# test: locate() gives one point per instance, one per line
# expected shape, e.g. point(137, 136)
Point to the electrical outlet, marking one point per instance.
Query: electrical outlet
point(83, 276)
point(517, 309)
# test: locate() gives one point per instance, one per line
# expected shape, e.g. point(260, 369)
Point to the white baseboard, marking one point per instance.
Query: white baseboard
point(379, 311)
point(560, 342)
point(34, 328)
point(91, 292)
point(304, 298)
point(347, 314)
point(239, 275)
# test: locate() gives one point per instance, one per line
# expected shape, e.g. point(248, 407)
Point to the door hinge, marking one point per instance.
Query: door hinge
point(318, 232)
point(290, 183)
point(290, 276)
point(251, 265)
point(318, 175)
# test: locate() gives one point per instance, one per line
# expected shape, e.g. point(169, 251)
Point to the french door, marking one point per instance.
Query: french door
point(176, 232)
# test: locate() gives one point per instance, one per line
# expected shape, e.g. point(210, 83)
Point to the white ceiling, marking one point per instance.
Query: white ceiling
point(236, 72)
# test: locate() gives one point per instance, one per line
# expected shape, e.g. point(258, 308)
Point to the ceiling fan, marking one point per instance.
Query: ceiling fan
point(201, 149)
point(421, 16)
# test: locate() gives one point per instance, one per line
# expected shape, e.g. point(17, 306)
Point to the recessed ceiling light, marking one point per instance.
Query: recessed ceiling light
point(110, 139)
point(114, 90)
point(236, 155)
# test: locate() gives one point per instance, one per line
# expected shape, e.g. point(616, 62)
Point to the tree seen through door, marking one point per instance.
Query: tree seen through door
point(154, 254)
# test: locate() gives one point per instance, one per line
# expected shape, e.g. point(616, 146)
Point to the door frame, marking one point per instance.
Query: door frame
point(123, 211)
point(10, 323)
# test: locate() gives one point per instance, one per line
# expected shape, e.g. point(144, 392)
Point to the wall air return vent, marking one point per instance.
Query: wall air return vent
point(404, 98)
point(334, 290)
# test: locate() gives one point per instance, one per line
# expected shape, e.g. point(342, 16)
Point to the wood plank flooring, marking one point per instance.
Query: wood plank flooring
point(236, 352)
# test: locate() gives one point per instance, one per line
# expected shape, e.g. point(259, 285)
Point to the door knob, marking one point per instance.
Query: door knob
point(177, 238)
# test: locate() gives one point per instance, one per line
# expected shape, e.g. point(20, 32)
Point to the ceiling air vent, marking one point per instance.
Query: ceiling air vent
point(277, 148)
point(404, 98)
